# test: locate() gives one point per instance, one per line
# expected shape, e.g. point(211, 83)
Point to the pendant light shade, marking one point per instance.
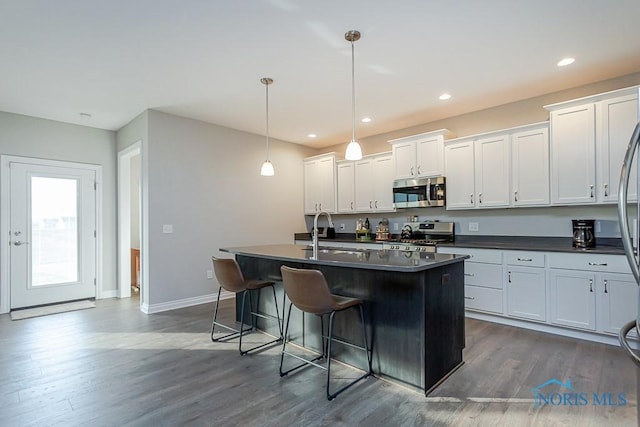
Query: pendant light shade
point(354, 151)
point(267, 167)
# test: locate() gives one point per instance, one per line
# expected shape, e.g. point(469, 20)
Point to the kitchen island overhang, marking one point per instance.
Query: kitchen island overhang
point(414, 306)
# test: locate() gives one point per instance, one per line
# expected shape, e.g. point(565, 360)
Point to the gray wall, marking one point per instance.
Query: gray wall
point(47, 139)
point(205, 181)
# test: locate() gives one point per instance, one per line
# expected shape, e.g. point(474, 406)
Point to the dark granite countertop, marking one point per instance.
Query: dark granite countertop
point(370, 259)
point(611, 246)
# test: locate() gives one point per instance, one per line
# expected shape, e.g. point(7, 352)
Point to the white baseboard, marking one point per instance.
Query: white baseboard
point(187, 302)
point(108, 294)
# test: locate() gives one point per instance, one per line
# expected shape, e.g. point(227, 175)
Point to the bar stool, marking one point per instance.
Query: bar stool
point(309, 292)
point(231, 279)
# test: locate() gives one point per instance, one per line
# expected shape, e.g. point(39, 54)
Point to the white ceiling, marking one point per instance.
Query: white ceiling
point(204, 59)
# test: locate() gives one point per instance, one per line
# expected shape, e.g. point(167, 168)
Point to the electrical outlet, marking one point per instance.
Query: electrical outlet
point(341, 226)
point(597, 227)
point(209, 274)
point(167, 228)
point(473, 226)
point(395, 226)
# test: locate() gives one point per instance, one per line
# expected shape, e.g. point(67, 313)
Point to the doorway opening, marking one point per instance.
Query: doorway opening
point(129, 223)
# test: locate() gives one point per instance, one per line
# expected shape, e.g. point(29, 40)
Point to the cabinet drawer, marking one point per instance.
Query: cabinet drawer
point(589, 262)
point(485, 299)
point(485, 275)
point(489, 256)
point(527, 259)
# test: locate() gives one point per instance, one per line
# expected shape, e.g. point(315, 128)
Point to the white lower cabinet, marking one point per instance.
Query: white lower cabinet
point(526, 293)
point(483, 279)
point(616, 301)
point(526, 285)
point(588, 292)
point(572, 299)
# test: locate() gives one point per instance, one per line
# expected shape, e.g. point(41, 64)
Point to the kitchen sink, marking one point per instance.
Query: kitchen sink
point(338, 251)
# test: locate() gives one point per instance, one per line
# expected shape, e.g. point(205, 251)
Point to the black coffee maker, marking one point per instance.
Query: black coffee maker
point(583, 233)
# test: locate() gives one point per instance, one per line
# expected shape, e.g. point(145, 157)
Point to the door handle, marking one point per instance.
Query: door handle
point(18, 243)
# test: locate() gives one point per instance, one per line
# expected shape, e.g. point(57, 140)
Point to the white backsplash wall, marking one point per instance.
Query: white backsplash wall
point(543, 222)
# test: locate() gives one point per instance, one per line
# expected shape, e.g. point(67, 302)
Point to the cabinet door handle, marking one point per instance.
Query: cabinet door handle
point(606, 190)
point(471, 198)
point(590, 285)
point(351, 205)
point(320, 206)
point(509, 277)
point(411, 170)
point(469, 274)
point(375, 204)
point(525, 259)
point(418, 169)
point(316, 207)
point(479, 197)
point(591, 191)
point(466, 297)
point(370, 204)
point(515, 196)
point(602, 264)
point(605, 287)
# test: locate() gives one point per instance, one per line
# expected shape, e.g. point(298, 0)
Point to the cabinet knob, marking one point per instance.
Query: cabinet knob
point(525, 259)
point(591, 191)
point(515, 196)
point(606, 190)
point(600, 264)
point(590, 285)
point(479, 197)
point(605, 287)
point(466, 297)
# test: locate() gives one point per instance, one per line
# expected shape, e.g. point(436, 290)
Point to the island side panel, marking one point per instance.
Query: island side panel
point(444, 322)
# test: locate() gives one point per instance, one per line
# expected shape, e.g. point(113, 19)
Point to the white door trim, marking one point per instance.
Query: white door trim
point(5, 160)
point(124, 219)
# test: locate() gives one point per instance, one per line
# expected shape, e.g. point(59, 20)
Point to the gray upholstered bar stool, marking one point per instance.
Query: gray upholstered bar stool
point(231, 279)
point(309, 292)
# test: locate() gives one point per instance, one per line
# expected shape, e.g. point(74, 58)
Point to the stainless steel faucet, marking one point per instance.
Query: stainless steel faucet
point(315, 232)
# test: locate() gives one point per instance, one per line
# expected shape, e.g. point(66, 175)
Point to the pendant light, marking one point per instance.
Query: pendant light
point(267, 167)
point(354, 152)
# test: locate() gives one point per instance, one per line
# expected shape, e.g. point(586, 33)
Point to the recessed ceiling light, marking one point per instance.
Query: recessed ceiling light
point(566, 61)
point(366, 119)
point(85, 115)
point(312, 135)
point(444, 97)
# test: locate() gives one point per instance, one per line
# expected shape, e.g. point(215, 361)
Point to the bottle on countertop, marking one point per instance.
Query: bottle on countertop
point(367, 224)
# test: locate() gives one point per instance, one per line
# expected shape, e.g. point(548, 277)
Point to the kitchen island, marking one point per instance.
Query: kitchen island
point(414, 306)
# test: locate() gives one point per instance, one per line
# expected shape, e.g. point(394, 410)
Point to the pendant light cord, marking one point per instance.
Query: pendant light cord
point(353, 93)
point(267, 108)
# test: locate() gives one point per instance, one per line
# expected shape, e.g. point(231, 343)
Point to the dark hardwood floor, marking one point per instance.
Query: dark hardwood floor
point(115, 366)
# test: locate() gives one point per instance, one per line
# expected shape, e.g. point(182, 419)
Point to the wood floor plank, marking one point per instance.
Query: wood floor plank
point(114, 365)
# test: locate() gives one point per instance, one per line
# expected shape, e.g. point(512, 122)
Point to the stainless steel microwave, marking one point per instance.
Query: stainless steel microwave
point(419, 192)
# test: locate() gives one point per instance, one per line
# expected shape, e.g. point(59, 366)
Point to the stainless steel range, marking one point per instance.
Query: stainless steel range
point(422, 236)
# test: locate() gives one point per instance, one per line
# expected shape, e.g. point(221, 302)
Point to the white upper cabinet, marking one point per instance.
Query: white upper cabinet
point(374, 183)
point(459, 170)
point(530, 166)
point(492, 171)
point(589, 137)
point(616, 119)
point(320, 184)
point(346, 186)
point(573, 142)
point(419, 155)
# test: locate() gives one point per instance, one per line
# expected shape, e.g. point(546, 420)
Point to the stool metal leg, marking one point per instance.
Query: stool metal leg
point(215, 323)
point(305, 362)
point(331, 396)
point(253, 314)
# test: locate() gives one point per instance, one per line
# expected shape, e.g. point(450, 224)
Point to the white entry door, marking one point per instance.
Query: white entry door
point(52, 223)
